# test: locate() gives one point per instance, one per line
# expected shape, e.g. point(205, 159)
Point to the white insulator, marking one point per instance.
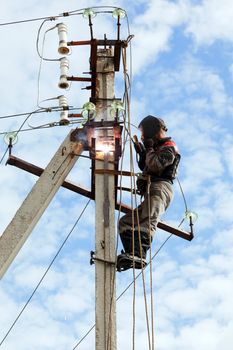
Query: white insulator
point(63, 48)
point(64, 68)
point(64, 116)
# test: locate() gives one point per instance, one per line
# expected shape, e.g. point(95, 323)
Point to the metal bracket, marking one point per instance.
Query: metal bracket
point(94, 258)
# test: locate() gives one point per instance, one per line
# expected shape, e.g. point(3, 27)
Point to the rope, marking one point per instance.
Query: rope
point(133, 250)
point(125, 290)
point(127, 105)
point(151, 266)
point(45, 273)
point(134, 182)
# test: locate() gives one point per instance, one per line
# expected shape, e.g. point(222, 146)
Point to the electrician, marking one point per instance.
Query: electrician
point(158, 158)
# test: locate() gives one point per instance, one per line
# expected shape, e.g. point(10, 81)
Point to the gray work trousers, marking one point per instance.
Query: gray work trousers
point(154, 205)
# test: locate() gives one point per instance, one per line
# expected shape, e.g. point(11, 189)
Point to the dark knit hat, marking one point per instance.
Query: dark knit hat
point(151, 125)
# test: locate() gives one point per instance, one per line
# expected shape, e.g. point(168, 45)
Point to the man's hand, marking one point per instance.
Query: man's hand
point(148, 143)
point(138, 146)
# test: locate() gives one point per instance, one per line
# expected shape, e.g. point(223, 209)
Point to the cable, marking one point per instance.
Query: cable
point(95, 7)
point(183, 195)
point(4, 154)
point(43, 42)
point(45, 273)
point(44, 126)
point(44, 110)
point(52, 18)
point(64, 14)
point(17, 131)
point(127, 102)
point(125, 290)
point(124, 141)
point(41, 60)
point(151, 267)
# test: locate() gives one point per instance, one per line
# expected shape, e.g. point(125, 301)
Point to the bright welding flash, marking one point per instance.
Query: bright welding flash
point(106, 148)
point(105, 140)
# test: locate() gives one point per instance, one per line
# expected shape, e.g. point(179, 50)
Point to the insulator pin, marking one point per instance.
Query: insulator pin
point(63, 48)
point(64, 68)
point(64, 116)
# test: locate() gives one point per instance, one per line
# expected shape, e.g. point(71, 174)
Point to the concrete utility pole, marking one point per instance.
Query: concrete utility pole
point(105, 213)
point(37, 201)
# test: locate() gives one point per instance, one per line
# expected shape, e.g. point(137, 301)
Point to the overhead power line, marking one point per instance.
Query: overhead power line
point(44, 110)
point(53, 18)
point(17, 131)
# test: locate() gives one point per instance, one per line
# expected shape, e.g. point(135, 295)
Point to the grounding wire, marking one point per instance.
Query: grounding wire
point(45, 273)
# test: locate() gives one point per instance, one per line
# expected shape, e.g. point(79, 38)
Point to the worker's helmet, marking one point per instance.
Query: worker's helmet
point(150, 125)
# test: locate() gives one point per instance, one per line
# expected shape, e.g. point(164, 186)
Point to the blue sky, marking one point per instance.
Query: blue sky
point(182, 71)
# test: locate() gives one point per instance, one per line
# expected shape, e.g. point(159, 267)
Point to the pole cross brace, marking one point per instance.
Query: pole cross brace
point(114, 172)
point(94, 258)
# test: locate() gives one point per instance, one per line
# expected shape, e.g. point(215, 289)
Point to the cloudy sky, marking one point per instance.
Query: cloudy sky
point(182, 66)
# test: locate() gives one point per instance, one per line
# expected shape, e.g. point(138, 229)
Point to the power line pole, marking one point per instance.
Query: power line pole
point(105, 211)
point(37, 201)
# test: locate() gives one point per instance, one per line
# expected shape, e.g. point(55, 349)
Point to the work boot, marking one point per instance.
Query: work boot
point(127, 242)
point(127, 261)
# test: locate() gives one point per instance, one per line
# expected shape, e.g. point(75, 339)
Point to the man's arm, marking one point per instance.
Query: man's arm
point(157, 161)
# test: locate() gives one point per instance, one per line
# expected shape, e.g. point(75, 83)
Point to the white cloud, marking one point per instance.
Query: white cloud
point(153, 30)
point(211, 20)
point(192, 281)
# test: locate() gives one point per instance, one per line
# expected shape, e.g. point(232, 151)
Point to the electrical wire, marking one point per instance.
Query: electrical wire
point(30, 20)
point(43, 42)
point(183, 195)
point(44, 126)
point(44, 110)
point(16, 134)
point(125, 290)
point(95, 7)
point(4, 154)
point(45, 273)
point(124, 141)
point(41, 60)
point(64, 14)
point(127, 101)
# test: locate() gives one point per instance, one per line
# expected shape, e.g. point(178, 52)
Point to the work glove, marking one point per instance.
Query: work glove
point(139, 148)
point(141, 185)
point(148, 144)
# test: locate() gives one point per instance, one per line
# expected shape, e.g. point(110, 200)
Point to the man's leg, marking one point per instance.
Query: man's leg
point(154, 205)
point(145, 221)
